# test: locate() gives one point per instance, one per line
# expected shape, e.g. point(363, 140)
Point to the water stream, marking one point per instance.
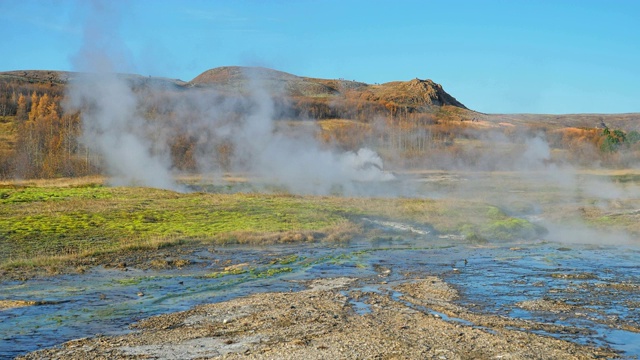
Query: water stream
point(598, 286)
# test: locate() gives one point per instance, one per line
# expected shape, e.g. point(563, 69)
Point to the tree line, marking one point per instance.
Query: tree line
point(45, 141)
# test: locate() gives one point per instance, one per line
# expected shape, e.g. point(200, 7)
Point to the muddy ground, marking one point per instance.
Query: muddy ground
point(165, 258)
point(414, 319)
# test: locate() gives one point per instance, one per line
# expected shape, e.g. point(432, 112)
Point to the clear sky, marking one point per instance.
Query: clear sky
point(516, 56)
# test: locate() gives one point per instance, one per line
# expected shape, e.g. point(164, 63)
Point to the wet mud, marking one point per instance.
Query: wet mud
point(412, 294)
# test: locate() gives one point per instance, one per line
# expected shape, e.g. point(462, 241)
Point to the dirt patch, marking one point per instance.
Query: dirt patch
point(546, 305)
point(10, 304)
point(430, 288)
point(321, 323)
point(164, 258)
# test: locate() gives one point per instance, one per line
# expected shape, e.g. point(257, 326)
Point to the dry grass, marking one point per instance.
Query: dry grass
point(56, 182)
point(7, 135)
point(333, 125)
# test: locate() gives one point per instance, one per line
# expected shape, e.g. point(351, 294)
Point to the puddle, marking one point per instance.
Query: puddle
point(626, 341)
point(587, 288)
point(360, 305)
point(598, 287)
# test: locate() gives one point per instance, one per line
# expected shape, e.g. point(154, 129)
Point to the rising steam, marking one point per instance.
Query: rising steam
point(111, 125)
point(135, 151)
point(112, 129)
point(299, 163)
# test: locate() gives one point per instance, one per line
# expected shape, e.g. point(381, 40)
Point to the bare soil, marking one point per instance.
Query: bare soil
point(323, 323)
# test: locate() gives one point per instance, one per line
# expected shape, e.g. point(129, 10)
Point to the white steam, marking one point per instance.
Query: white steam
point(135, 150)
point(112, 129)
point(298, 163)
point(111, 125)
point(537, 153)
point(578, 233)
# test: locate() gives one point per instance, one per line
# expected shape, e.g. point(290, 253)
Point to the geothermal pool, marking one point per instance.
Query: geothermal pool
point(591, 292)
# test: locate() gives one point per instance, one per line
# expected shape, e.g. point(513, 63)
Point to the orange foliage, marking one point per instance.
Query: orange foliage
point(46, 143)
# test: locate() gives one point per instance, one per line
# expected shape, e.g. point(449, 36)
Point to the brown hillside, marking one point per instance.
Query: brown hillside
point(415, 94)
point(626, 122)
point(320, 98)
point(49, 77)
point(40, 76)
point(242, 79)
point(409, 123)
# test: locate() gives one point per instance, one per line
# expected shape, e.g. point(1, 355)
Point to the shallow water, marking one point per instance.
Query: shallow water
point(600, 286)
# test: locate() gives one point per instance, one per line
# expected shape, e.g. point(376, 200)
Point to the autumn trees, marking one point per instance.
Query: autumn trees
point(46, 139)
point(43, 140)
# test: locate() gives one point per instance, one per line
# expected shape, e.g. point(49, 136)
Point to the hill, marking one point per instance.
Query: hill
point(295, 97)
point(316, 98)
point(418, 95)
point(411, 124)
point(52, 78)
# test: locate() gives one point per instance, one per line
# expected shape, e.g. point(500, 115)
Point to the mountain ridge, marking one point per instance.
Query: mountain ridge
point(333, 98)
point(416, 94)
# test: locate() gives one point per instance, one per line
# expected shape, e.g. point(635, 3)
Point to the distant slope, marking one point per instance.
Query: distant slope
point(63, 77)
point(236, 78)
point(416, 94)
point(321, 98)
point(42, 76)
point(626, 122)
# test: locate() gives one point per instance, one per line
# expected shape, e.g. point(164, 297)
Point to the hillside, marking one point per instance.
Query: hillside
point(418, 95)
point(295, 97)
point(411, 124)
point(314, 97)
point(63, 77)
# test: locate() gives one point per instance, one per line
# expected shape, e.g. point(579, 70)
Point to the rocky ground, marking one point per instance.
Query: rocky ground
point(414, 319)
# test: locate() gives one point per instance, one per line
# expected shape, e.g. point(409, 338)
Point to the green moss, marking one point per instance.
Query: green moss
point(471, 233)
point(288, 260)
point(270, 272)
point(133, 280)
point(509, 228)
point(494, 213)
point(37, 194)
point(52, 221)
point(219, 274)
point(606, 220)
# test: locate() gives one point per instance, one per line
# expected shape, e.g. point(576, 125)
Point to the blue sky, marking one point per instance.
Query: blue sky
point(517, 56)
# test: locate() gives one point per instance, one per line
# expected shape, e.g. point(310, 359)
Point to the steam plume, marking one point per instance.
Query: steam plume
point(111, 126)
point(135, 151)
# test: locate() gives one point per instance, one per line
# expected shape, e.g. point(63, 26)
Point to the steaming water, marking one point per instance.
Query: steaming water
point(601, 283)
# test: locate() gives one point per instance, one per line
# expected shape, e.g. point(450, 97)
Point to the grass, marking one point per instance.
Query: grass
point(7, 134)
point(226, 272)
point(508, 228)
point(269, 272)
point(46, 225)
point(41, 221)
point(288, 260)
